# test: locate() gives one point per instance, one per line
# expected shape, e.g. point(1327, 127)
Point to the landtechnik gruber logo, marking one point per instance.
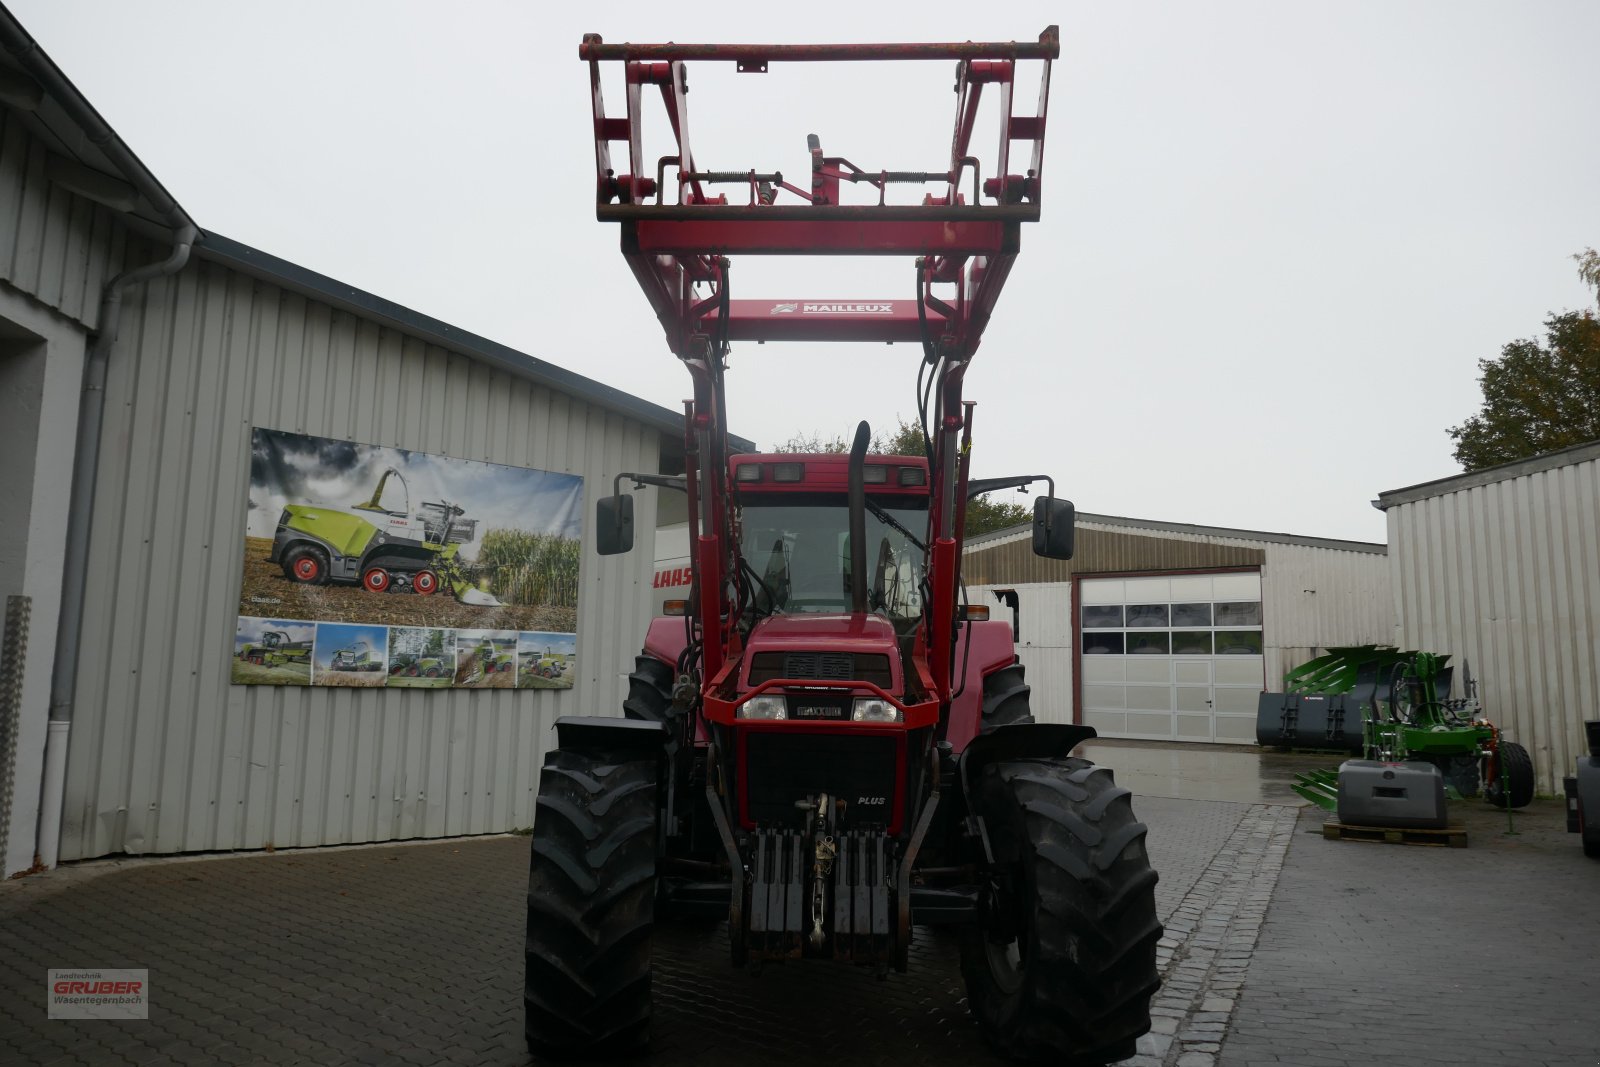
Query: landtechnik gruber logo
point(103, 993)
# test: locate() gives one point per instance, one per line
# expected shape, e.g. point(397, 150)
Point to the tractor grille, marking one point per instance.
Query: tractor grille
point(782, 768)
point(823, 666)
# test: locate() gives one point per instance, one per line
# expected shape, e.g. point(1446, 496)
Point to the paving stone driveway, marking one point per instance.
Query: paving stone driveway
point(1383, 954)
point(410, 954)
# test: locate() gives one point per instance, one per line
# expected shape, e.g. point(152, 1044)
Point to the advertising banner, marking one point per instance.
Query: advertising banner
point(373, 566)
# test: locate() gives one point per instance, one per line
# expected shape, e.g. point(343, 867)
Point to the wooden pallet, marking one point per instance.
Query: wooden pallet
point(1449, 837)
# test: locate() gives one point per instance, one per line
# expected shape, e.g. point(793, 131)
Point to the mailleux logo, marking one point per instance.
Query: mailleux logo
point(832, 309)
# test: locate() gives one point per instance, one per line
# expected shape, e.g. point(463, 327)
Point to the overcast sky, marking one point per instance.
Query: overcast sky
point(1277, 237)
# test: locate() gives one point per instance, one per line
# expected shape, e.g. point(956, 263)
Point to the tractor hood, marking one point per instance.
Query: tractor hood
point(823, 637)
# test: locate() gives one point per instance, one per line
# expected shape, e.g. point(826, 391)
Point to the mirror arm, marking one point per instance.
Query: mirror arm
point(663, 481)
point(979, 486)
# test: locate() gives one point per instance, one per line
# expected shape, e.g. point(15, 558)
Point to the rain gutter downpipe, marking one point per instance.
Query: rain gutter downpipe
point(91, 411)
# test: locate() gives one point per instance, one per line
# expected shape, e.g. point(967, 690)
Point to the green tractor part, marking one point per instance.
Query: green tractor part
point(1392, 706)
point(358, 657)
point(381, 550)
point(1321, 787)
point(494, 660)
point(276, 650)
point(407, 665)
point(550, 665)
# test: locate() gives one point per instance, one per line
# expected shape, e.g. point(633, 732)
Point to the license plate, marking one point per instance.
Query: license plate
point(818, 711)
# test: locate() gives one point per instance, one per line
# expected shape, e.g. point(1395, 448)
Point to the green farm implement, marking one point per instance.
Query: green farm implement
point(1393, 707)
point(276, 650)
point(408, 665)
point(383, 551)
point(550, 665)
point(494, 660)
point(359, 657)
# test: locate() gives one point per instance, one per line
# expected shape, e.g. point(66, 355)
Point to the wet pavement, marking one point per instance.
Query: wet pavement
point(1281, 947)
point(1233, 773)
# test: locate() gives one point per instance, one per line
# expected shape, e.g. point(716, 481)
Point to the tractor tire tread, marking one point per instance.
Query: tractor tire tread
point(649, 690)
point(1084, 995)
point(1005, 699)
point(1518, 776)
point(590, 907)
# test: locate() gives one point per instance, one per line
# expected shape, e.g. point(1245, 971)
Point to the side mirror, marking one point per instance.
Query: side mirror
point(1054, 523)
point(613, 530)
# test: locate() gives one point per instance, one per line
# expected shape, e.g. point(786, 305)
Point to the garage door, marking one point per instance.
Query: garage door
point(1172, 659)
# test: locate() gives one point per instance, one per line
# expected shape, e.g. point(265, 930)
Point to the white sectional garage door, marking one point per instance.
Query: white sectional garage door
point(1172, 659)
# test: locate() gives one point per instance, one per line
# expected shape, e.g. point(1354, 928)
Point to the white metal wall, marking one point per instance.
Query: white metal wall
point(1313, 596)
point(1507, 576)
point(166, 755)
point(56, 250)
point(55, 246)
point(1044, 612)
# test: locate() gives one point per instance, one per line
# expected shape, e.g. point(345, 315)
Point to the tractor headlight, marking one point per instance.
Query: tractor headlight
point(874, 709)
point(763, 707)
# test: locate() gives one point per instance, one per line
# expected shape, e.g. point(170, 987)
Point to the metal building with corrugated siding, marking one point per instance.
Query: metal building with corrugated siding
point(1501, 568)
point(139, 743)
point(1167, 631)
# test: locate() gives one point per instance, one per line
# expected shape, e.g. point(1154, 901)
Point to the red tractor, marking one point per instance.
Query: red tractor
point(830, 747)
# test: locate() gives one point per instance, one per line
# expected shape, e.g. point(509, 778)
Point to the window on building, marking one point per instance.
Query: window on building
point(1101, 616)
point(1238, 642)
point(1102, 644)
point(1147, 616)
point(1191, 642)
point(1153, 643)
point(1243, 613)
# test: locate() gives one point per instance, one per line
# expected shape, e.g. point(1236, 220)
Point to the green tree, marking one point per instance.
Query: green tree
point(1538, 397)
point(983, 514)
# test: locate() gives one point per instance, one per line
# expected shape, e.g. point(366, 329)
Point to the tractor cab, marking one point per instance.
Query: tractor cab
point(795, 533)
point(443, 525)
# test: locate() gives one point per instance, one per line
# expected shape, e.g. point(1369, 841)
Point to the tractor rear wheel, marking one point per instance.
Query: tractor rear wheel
point(1512, 786)
point(376, 580)
point(649, 689)
point(306, 564)
point(591, 906)
point(1005, 699)
point(1063, 965)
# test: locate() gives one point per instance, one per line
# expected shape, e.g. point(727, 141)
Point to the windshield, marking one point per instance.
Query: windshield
point(799, 546)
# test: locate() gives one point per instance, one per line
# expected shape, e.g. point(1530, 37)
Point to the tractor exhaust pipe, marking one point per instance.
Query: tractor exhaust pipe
point(858, 519)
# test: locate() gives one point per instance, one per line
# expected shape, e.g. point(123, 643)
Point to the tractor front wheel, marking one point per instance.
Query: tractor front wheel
point(1005, 699)
point(376, 580)
point(307, 565)
point(1511, 784)
point(649, 689)
point(425, 582)
point(1063, 965)
point(591, 906)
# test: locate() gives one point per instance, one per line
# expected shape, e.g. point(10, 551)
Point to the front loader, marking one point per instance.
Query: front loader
point(826, 746)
